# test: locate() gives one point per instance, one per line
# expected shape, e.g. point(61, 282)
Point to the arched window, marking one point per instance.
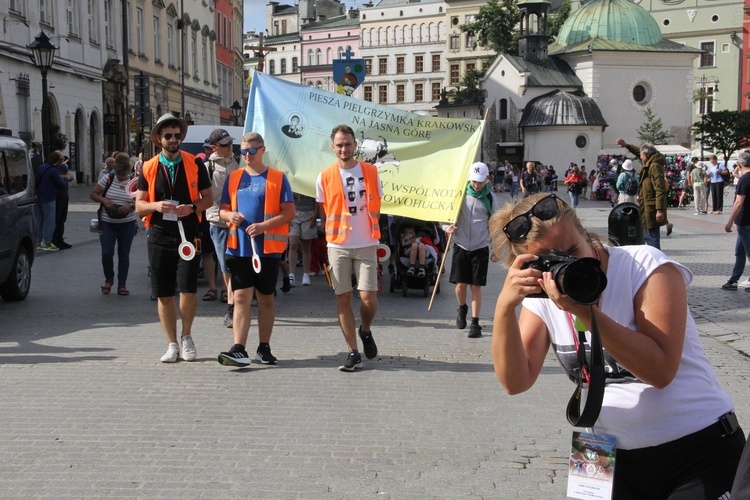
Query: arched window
point(423, 35)
point(318, 57)
point(310, 58)
point(340, 52)
point(381, 36)
point(329, 55)
point(440, 31)
point(283, 66)
point(503, 109)
point(271, 67)
point(295, 65)
point(388, 35)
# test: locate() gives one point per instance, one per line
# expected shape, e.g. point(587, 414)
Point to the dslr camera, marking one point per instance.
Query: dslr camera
point(580, 279)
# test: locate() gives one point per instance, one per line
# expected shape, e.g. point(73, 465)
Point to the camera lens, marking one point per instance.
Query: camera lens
point(582, 280)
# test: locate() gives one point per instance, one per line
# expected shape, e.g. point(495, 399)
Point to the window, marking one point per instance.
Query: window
point(418, 64)
point(45, 13)
point(71, 16)
point(707, 57)
point(92, 23)
point(204, 59)
point(368, 93)
point(503, 109)
point(24, 107)
point(436, 91)
point(471, 66)
point(383, 94)
point(400, 91)
point(295, 65)
point(435, 62)
point(283, 26)
point(471, 39)
point(271, 67)
point(16, 6)
point(310, 58)
point(283, 66)
point(107, 29)
point(218, 27)
point(170, 45)
point(195, 55)
point(581, 141)
point(368, 66)
point(454, 42)
point(639, 93)
point(418, 92)
point(383, 66)
point(139, 30)
point(157, 39)
point(400, 65)
point(706, 102)
point(318, 57)
point(454, 74)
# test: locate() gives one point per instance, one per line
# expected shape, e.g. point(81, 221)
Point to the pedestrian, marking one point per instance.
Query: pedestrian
point(627, 184)
point(716, 171)
point(696, 177)
point(221, 163)
point(675, 428)
point(257, 204)
point(471, 247)
point(117, 223)
point(302, 230)
point(584, 183)
point(172, 192)
point(528, 180)
point(61, 206)
point(612, 178)
point(740, 217)
point(36, 157)
point(49, 182)
point(574, 182)
point(348, 193)
point(652, 191)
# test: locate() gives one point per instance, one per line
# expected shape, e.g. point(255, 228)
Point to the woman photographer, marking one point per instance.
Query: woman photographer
point(117, 223)
point(675, 427)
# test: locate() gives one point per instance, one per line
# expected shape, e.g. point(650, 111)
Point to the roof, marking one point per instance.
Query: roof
point(553, 72)
point(562, 108)
point(616, 25)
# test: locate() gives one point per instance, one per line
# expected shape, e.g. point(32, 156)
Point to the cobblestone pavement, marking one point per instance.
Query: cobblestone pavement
point(88, 411)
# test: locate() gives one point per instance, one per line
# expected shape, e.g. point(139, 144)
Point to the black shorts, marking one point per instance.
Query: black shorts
point(207, 244)
point(244, 276)
point(470, 267)
point(167, 268)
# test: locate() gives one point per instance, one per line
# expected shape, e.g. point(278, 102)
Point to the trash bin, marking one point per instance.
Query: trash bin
point(625, 226)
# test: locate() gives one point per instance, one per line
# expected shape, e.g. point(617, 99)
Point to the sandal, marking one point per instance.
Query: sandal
point(106, 287)
point(224, 296)
point(210, 295)
point(121, 290)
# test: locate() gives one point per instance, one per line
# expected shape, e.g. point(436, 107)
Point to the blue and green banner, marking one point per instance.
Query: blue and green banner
point(422, 161)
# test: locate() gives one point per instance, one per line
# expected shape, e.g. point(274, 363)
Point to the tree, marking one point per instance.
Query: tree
point(468, 89)
point(558, 19)
point(724, 131)
point(495, 26)
point(653, 129)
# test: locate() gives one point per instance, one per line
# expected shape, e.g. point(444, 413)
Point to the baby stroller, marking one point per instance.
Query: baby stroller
point(401, 277)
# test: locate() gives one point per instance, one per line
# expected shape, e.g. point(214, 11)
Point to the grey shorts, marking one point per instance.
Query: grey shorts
point(300, 226)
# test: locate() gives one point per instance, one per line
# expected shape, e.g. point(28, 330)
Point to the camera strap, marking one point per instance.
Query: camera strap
point(593, 375)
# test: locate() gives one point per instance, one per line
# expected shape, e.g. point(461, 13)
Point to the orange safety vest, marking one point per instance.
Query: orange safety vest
point(274, 239)
point(191, 174)
point(335, 205)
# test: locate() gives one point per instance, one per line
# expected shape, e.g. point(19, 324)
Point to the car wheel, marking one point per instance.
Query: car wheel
point(17, 286)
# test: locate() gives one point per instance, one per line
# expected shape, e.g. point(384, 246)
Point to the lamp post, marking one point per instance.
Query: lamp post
point(703, 97)
point(236, 112)
point(43, 55)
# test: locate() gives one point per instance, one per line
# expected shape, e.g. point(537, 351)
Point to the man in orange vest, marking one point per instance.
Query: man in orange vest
point(174, 186)
point(349, 194)
point(257, 203)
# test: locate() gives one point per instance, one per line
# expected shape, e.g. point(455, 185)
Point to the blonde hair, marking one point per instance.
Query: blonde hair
point(507, 251)
point(253, 137)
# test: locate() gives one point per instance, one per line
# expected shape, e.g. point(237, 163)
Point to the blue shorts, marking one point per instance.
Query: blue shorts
point(219, 239)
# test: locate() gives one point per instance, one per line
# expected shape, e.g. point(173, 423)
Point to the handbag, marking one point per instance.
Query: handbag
point(725, 175)
point(113, 212)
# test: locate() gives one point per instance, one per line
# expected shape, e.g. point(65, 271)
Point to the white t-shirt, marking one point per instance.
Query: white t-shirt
point(353, 181)
point(638, 414)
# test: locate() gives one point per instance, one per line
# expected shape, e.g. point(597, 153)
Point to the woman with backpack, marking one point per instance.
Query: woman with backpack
point(627, 184)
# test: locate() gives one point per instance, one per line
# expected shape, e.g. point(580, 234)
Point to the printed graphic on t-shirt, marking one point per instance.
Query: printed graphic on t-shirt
point(355, 193)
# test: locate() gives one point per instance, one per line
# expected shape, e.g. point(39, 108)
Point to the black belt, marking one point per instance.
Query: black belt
point(727, 425)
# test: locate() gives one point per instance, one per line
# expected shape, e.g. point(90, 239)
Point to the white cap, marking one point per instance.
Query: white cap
point(613, 162)
point(627, 165)
point(478, 172)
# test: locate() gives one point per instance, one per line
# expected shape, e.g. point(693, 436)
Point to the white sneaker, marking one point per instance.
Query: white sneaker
point(744, 284)
point(188, 348)
point(291, 280)
point(305, 279)
point(173, 351)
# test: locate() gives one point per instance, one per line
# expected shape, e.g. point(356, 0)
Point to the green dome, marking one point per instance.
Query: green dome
point(612, 20)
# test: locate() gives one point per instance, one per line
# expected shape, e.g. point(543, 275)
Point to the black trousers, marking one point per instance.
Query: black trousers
point(61, 215)
point(717, 196)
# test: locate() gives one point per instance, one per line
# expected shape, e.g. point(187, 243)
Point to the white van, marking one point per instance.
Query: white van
point(197, 134)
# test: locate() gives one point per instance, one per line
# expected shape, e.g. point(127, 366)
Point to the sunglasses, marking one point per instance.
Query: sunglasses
point(249, 151)
point(520, 225)
point(168, 136)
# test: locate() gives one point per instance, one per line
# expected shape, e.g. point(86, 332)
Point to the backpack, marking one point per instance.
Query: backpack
point(631, 185)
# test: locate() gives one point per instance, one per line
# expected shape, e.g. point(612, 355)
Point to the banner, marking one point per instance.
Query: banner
point(422, 161)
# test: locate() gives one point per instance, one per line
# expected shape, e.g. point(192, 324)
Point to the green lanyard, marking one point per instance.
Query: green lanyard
point(171, 165)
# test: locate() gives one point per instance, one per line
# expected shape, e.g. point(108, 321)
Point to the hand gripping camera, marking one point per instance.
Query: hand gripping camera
point(580, 279)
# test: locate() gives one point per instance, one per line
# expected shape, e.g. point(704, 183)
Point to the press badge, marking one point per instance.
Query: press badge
point(171, 216)
point(591, 470)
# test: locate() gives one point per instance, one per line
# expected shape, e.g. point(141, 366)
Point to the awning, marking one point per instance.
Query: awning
point(673, 149)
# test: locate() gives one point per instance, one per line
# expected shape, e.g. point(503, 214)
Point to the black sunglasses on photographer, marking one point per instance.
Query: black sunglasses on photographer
point(520, 225)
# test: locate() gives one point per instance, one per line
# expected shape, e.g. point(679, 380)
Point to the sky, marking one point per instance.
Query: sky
point(255, 12)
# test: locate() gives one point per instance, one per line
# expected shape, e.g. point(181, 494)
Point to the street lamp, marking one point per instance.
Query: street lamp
point(236, 112)
point(43, 55)
point(703, 96)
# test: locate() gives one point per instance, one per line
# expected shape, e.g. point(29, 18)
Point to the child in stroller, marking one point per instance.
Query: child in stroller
point(417, 255)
